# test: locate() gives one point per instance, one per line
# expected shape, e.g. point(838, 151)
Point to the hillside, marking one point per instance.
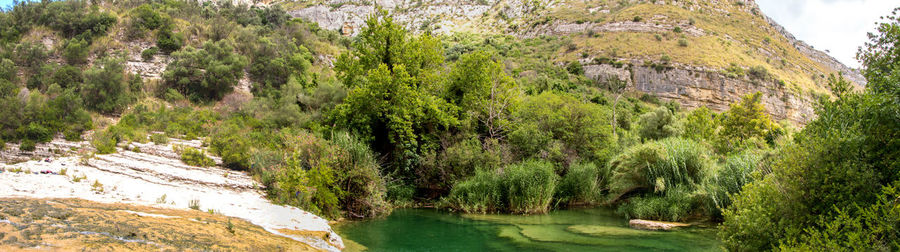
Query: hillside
point(700, 53)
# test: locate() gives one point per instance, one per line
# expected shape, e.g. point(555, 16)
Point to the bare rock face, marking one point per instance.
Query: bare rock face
point(696, 87)
point(655, 225)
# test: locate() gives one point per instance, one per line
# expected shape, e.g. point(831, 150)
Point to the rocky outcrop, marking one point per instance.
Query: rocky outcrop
point(818, 56)
point(694, 87)
point(655, 225)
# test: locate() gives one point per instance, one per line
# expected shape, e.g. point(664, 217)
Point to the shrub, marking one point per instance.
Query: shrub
point(682, 42)
point(205, 74)
point(38, 133)
point(104, 88)
point(658, 124)
point(194, 157)
point(481, 193)
point(759, 73)
point(75, 51)
point(167, 41)
point(160, 139)
point(530, 186)
point(27, 145)
point(701, 124)
point(68, 77)
point(104, 142)
point(575, 68)
point(637, 19)
point(147, 54)
point(729, 178)
point(677, 29)
point(230, 142)
point(874, 228)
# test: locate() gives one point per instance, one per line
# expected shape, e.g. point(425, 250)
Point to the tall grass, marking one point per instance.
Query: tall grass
point(729, 178)
point(526, 187)
point(655, 165)
point(676, 204)
point(581, 185)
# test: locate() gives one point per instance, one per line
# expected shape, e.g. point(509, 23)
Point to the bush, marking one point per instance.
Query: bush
point(104, 142)
point(27, 145)
point(637, 19)
point(160, 139)
point(561, 127)
point(481, 193)
point(677, 29)
point(759, 73)
point(205, 74)
point(147, 54)
point(167, 41)
point(658, 124)
point(682, 42)
point(194, 157)
point(575, 68)
point(38, 133)
point(75, 51)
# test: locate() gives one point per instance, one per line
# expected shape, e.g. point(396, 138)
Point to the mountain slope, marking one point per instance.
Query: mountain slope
point(700, 53)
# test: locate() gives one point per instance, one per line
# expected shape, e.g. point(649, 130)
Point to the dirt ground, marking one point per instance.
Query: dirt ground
point(80, 225)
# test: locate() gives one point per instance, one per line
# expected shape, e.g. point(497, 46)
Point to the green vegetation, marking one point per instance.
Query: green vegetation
point(194, 157)
point(476, 123)
point(834, 186)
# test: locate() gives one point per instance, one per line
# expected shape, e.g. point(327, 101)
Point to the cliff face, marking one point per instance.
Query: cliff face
point(706, 46)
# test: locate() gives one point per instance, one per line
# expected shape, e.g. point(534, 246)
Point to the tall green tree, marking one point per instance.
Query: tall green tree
point(485, 94)
point(389, 105)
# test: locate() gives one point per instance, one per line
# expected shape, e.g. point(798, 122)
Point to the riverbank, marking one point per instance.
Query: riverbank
point(155, 177)
point(75, 225)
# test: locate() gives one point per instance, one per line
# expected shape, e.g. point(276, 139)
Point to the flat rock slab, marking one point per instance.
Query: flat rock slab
point(655, 225)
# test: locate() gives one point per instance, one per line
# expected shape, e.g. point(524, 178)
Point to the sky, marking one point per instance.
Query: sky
point(839, 26)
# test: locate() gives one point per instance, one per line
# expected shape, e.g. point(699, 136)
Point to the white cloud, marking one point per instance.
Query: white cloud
point(839, 26)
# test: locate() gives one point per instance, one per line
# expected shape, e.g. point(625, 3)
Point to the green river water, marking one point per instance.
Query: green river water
point(595, 229)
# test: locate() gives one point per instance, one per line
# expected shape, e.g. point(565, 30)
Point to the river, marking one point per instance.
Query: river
point(592, 229)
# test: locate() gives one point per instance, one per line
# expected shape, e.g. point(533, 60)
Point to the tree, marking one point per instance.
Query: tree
point(483, 92)
point(385, 42)
point(701, 124)
point(618, 87)
point(104, 86)
point(389, 106)
point(205, 74)
point(746, 119)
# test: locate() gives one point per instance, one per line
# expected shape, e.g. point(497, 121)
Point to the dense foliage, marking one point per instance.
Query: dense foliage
point(834, 186)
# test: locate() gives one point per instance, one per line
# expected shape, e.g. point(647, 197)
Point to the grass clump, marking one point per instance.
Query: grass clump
point(661, 178)
point(581, 185)
point(194, 204)
point(526, 187)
